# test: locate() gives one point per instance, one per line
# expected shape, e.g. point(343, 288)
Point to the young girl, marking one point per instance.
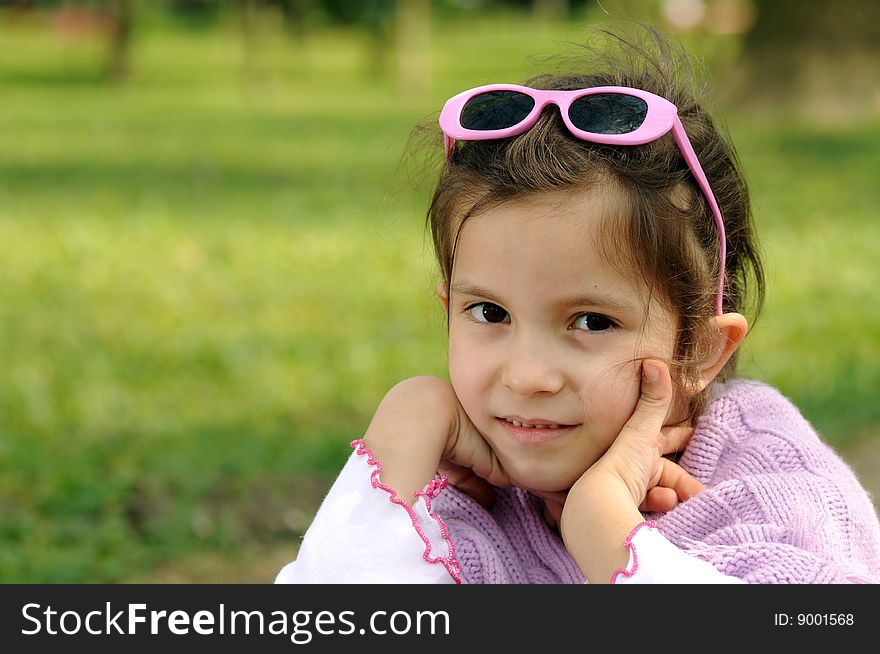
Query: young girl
point(594, 237)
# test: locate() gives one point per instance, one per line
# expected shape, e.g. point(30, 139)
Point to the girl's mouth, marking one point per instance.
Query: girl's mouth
point(534, 431)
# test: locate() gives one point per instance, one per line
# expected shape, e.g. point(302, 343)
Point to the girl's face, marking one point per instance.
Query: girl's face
point(545, 337)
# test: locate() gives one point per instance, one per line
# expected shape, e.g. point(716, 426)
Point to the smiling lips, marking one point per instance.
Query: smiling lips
point(537, 424)
point(534, 430)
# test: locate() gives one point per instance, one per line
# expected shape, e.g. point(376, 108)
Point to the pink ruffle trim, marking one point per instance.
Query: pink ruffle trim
point(431, 491)
point(635, 557)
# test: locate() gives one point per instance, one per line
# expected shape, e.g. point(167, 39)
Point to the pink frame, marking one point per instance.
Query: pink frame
point(662, 118)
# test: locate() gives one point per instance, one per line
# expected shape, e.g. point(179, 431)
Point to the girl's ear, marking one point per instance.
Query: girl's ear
point(728, 331)
point(443, 296)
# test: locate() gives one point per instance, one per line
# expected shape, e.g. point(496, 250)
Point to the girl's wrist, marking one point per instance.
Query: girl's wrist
point(596, 520)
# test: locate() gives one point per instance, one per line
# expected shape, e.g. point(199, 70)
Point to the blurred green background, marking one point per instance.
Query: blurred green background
point(214, 265)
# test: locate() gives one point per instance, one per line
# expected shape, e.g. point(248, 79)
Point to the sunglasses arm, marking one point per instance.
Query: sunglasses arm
point(687, 150)
point(448, 146)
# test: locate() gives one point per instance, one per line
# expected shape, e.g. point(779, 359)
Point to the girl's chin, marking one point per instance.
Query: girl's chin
point(545, 482)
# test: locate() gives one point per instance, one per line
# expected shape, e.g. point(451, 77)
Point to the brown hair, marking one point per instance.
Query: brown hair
point(671, 233)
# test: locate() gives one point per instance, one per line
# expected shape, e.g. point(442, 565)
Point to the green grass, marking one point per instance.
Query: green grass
point(815, 190)
point(210, 278)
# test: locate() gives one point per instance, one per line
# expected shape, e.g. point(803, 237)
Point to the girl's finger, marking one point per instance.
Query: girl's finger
point(653, 405)
point(479, 489)
point(659, 500)
point(468, 483)
point(678, 479)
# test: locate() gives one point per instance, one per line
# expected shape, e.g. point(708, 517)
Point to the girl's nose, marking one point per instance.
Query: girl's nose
point(529, 369)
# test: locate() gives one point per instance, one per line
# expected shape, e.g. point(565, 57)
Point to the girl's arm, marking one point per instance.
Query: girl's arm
point(420, 423)
point(376, 525)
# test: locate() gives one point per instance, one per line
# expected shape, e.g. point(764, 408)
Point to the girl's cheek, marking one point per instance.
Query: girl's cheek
point(466, 375)
point(610, 399)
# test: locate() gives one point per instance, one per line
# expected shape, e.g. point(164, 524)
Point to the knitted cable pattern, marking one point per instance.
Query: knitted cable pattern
point(780, 506)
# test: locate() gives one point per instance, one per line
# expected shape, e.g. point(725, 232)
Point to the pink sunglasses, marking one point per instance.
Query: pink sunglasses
point(612, 115)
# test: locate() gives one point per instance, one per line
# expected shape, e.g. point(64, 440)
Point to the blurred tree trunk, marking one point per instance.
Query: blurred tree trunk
point(412, 27)
point(816, 54)
point(249, 24)
point(120, 14)
point(296, 14)
point(550, 10)
point(256, 23)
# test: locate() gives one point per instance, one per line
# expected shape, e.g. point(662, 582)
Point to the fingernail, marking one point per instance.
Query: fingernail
point(651, 372)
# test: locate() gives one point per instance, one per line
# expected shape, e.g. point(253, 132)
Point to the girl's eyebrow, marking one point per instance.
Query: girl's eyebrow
point(476, 291)
point(597, 298)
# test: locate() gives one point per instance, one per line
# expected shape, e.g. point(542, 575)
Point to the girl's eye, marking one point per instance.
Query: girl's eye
point(594, 322)
point(486, 312)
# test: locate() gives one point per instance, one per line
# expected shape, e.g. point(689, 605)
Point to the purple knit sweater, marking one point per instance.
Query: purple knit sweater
point(780, 506)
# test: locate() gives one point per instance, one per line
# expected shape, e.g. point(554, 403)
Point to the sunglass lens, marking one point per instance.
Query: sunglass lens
point(608, 113)
point(496, 110)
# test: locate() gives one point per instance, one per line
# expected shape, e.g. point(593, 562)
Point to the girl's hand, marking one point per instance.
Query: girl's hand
point(469, 462)
point(636, 457)
point(468, 482)
point(603, 505)
point(469, 457)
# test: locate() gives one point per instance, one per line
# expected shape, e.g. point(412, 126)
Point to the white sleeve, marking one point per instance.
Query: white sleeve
point(654, 560)
point(363, 533)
